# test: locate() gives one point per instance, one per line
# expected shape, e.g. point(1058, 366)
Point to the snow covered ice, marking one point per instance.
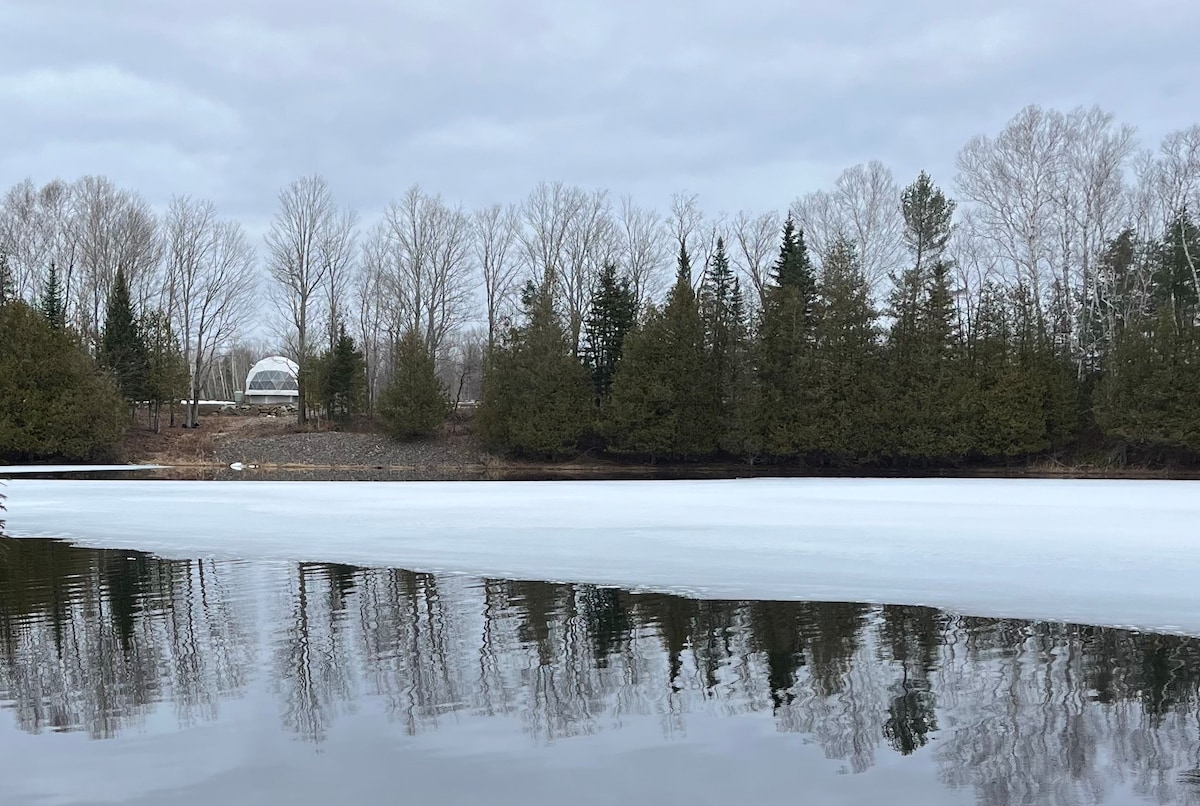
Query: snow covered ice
point(1113, 553)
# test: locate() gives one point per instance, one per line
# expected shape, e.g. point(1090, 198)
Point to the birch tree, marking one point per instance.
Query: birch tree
point(1012, 181)
point(211, 282)
point(307, 231)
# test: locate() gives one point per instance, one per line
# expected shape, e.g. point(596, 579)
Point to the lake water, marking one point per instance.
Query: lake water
point(130, 679)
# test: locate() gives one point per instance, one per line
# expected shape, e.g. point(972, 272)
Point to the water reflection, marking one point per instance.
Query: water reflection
point(1016, 712)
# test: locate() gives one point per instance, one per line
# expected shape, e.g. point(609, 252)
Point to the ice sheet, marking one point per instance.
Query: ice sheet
point(1118, 553)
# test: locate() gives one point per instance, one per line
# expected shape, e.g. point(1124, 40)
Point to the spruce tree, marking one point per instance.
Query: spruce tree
point(123, 347)
point(726, 339)
point(537, 396)
point(340, 377)
point(612, 315)
point(51, 303)
point(785, 353)
point(793, 269)
point(414, 403)
point(663, 402)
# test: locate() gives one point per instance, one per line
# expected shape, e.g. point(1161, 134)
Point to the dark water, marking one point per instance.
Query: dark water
point(129, 679)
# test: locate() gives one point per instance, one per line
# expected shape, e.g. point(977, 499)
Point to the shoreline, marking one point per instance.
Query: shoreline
point(265, 447)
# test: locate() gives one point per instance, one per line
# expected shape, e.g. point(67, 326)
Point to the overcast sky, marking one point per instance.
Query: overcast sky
point(747, 103)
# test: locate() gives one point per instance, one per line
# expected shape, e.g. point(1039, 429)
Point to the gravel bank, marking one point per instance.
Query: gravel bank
point(348, 450)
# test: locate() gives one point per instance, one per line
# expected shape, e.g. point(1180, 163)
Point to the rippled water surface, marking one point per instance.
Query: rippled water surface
point(129, 679)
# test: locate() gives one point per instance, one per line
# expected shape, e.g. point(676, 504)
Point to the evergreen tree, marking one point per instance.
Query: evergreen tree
point(785, 357)
point(927, 380)
point(340, 378)
point(793, 268)
point(663, 402)
point(8, 285)
point(1175, 278)
point(845, 406)
point(54, 403)
point(51, 303)
point(537, 396)
point(726, 339)
point(1146, 402)
point(1051, 371)
point(1005, 413)
point(612, 315)
point(123, 347)
point(928, 217)
point(414, 403)
point(167, 372)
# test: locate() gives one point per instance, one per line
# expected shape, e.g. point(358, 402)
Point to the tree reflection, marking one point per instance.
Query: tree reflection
point(311, 676)
point(89, 638)
point(1021, 711)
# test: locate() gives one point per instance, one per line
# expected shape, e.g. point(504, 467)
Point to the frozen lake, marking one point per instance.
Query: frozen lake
point(770, 641)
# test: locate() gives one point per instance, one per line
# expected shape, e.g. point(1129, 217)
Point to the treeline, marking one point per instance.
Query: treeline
point(819, 375)
point(1043, 307)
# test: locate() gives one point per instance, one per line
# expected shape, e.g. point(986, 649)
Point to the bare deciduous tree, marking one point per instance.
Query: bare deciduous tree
point(307, 233)
point(210, 281)
point(496, 230)
point(567, 236)
point(430, 249)
point(111, 228)
point(644, 253)
point(370, 288)
point(1012, 180)
point(591, 243)
point(547, 214)
point(756, 239)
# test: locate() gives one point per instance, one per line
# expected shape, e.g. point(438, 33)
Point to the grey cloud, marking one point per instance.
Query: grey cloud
point(748, 104)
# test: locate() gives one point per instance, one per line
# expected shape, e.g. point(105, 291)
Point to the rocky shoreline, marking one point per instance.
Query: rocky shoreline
point(332, 449)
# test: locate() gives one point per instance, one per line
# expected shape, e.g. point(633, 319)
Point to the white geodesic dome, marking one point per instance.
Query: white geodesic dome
point(273, 381)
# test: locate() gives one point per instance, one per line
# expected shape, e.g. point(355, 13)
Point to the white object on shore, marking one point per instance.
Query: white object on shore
point(1116, 553)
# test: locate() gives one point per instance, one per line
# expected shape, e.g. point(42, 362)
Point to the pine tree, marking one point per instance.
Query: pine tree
point(927, 221)
point(123, 347)
point(414, 403)
point(51, 303)
point(8, 286)
point(612, 315)
point(927, 381)
point(537, 396)
point(663, 402)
